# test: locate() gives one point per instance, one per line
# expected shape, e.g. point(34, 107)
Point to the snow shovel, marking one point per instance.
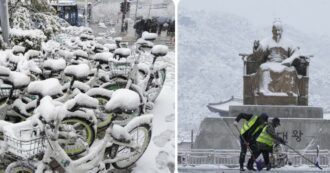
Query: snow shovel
point(310, 161)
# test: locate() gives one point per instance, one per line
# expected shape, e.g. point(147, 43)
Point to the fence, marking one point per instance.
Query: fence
point(229, 158)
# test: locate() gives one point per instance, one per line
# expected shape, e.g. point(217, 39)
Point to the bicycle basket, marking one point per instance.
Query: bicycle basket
point(25, 149)
point(4, 92)
point(120, 69)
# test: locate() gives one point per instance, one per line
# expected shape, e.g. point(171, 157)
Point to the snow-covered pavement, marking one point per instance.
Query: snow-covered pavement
point(160, 155)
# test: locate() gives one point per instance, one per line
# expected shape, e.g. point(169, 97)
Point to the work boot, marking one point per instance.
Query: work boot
point(241, 169)
point(268, 167)
point(250, 165)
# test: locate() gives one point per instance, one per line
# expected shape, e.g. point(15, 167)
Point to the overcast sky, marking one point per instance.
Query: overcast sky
point(310, 16)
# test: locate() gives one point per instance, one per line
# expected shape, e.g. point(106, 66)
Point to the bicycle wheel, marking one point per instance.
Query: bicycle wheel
point(19, 167)
point(141, 137)
point(85, 131)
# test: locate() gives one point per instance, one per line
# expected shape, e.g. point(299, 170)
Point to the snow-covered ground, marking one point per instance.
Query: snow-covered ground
point(160, 155)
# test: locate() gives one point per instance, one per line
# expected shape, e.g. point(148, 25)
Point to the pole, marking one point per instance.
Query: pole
point(315, 164)
point(136, 9)
point(192, 139)
point(150, 8)
point(4, 18)
point(86, 23)
point(123, 17)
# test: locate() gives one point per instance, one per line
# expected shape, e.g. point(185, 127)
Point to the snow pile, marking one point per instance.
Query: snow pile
point(4, 71)
point(48, 87)
point(275, 67)
point(55, 64)
point(159, 50)
point(80, 53)
point(102, 25)
point(50, 46)
point(32, 54)
point(124, 99)
point(78, 71)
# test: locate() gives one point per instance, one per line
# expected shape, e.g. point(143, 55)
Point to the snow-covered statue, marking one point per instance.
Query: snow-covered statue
point(276, 69)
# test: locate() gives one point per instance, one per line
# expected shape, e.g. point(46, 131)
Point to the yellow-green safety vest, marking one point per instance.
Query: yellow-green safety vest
point(265, 138)
point(248, 124)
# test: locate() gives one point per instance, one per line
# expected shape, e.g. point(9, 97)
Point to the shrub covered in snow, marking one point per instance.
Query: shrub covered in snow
point(30, 39)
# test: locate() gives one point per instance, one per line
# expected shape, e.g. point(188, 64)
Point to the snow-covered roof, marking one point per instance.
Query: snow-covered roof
point(222, 107)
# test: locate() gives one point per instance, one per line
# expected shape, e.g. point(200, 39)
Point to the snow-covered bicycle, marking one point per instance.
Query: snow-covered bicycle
point(121, 146)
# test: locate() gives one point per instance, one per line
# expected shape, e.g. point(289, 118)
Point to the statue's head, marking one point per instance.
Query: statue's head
point(277, 30)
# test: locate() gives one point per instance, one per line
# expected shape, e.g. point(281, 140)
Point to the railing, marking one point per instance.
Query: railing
point(230, 157)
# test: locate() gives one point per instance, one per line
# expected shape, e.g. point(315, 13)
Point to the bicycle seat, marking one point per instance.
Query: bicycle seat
point(144, 43)
point(122, 52)
point(4, 71)
point(110, 47)
point(17, 79)
point(49, 87)
point(33, 54)
point(55, 65)
point(119, 133)
point(81, 54)
point(81, 101)
point(159, 50)
point(103, 57)
point(123, 100)
point(149, 36)
point(79, 72)
point(18, 49)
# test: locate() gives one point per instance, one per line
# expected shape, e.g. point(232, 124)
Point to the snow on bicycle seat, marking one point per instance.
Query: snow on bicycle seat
point(81, 101)
point(31, 54)
point(103, 57)
point(81, 53)
point(17, 79)
point(123, 100)
point(149, 36)
point(49, 87)
point(4, 71)
point(144, 43)
point(18, 49)
point(119, 133)
point(55, 65)
point(159, 50)
point(80, 71)
point(50, 109)
point(110, 47)
point(123, 52)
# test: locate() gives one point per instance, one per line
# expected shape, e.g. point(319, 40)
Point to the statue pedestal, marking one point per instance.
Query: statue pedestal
point(301, 126)
point(219, 133)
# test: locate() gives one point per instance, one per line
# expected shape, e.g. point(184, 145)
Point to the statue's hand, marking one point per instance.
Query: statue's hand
point(256, 44)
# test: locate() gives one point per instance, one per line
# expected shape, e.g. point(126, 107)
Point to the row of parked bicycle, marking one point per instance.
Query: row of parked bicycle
point(80, 108)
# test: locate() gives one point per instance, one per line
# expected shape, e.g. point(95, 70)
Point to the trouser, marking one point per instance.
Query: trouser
point(265, 154)
point(242, 155)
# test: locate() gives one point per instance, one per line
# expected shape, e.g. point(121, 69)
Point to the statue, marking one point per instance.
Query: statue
point(274, 71)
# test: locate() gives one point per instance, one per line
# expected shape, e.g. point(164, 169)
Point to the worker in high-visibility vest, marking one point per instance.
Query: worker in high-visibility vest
point(266, 140)
point(249, 132)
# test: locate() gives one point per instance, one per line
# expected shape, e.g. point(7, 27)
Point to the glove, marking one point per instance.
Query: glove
point(282, 141)
point(235, 123)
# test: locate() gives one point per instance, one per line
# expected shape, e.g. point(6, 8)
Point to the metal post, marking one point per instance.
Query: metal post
point(123, 17)
point(86, 11)
point(150, 8)
point(192, 139)
point(4, 18)
point(136, 9)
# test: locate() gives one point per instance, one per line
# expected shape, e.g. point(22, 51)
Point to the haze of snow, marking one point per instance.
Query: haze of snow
point(211, 70)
